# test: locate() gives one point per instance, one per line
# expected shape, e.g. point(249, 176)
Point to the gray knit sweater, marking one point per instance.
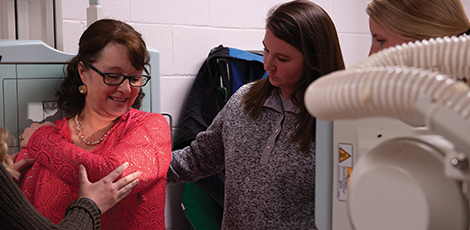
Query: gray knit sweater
point(17, 213)
point(270, 184)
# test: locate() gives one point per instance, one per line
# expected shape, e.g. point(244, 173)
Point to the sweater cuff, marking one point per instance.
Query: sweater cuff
point(89, 206)
point(93, 202)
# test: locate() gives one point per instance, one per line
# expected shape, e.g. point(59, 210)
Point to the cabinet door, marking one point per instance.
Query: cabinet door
point(32, 20)
point(28, 95)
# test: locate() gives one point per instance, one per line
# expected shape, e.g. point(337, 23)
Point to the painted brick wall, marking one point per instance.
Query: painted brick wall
point(184, 31)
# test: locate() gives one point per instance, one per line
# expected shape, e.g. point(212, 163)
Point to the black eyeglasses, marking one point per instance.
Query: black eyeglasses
point(137, 80)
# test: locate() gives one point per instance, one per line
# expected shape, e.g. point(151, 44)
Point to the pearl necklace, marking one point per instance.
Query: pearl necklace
point(80, 133)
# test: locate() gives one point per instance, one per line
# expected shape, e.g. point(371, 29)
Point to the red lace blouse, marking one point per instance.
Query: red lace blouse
point(140, 138)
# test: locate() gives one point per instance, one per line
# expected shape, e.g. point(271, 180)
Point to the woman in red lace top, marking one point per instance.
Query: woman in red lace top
point(103, 82)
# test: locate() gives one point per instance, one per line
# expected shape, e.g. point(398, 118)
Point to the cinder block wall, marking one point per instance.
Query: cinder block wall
point(184, 31)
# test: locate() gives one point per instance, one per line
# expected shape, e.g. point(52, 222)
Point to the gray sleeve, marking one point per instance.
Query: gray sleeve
point(18, 213)
point(206, 154)
point(204, 157)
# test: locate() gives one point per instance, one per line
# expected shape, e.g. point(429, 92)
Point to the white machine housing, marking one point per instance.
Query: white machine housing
point(398, 144)
point(398, 180)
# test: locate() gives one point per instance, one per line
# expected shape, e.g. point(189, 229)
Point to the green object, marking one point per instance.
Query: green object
point(224, 93)
point(203, 212)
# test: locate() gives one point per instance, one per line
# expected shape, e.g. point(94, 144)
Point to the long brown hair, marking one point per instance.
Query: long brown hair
point(93, 40)
point(308, 28)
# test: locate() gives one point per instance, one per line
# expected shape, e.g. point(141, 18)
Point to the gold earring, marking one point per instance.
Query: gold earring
point(82, 89)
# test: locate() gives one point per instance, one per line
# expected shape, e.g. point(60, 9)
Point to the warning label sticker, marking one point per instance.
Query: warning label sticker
point(345, 165)
point(343, 155)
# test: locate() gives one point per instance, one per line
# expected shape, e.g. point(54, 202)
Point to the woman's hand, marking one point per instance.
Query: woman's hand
point(29, 131)
point(18, 166)
point(22, 166)
point(106, 193)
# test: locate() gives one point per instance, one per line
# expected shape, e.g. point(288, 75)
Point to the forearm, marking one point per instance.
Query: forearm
point(204, 157)
point(144, 142)
point(81, 214)
point(50, 149)
point(18, 213)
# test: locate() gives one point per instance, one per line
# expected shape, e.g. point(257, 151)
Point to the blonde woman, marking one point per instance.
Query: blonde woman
point(394, 22)
point(84, 213)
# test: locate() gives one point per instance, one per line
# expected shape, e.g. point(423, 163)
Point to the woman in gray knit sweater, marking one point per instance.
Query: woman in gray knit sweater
point(84, 213)
point(264, 137)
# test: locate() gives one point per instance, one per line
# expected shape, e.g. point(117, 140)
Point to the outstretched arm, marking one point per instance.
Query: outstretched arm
point(83, 213)
point(204, 157)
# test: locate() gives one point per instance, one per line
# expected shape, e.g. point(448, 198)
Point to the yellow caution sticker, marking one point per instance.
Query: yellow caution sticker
point(343, 155)
point(345, 166)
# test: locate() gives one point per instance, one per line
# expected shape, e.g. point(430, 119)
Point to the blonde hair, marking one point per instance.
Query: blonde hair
point(420, 19)
point(5, 158)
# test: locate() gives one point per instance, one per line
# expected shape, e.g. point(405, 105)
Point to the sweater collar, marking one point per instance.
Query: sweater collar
point(278, 103)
